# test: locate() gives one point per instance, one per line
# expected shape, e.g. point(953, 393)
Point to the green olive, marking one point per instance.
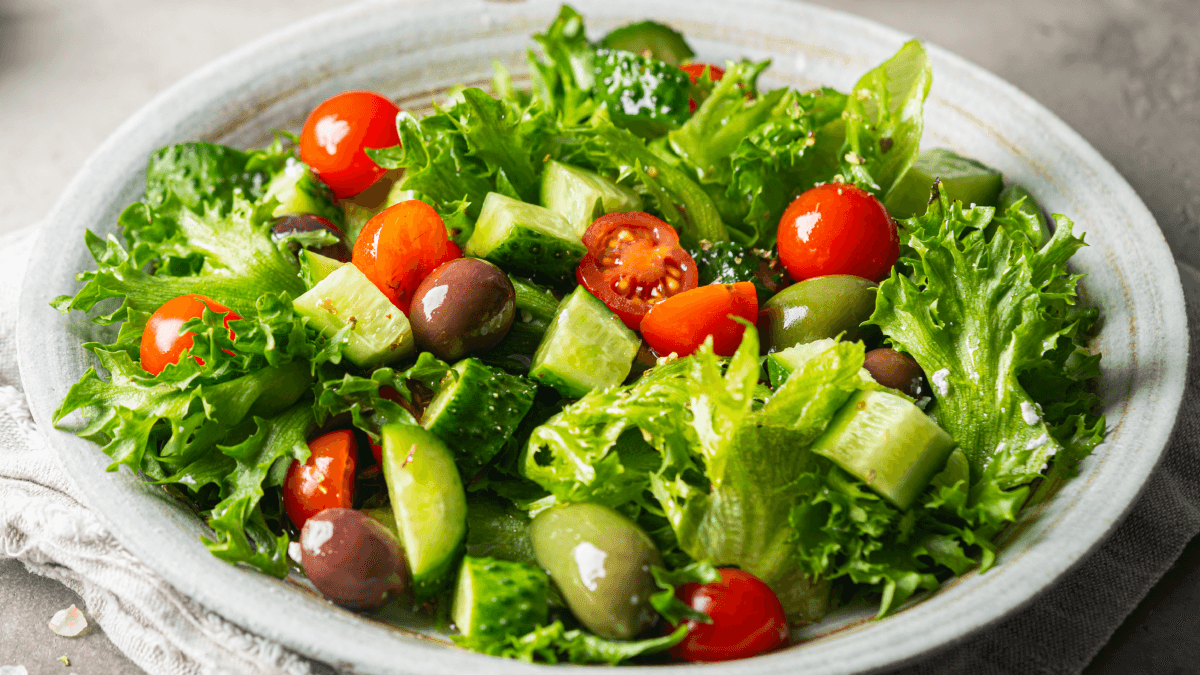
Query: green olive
point(818, 308)
point(600, 560)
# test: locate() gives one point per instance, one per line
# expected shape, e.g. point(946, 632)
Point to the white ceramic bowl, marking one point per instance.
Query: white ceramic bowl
point(412, 52)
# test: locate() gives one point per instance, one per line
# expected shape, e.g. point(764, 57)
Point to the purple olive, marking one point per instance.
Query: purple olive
point(352, 559)
point(465, 305)
point(896, 370)
point(306, 222)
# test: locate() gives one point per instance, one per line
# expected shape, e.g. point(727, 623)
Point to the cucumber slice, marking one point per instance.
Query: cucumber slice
point(299, 191)
point(498, 597)
point(582, 196)
point(586, 347)
point(525, 238)
point(963, 179)
point(662, 42)
point(886, 442)
point(314, 267)
point(429, 503)
point(475, 411)
point(496, 528)
point(379, 332)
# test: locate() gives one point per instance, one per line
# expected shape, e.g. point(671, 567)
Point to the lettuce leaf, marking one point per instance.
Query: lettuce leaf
point(554, 644)
point(977, 313)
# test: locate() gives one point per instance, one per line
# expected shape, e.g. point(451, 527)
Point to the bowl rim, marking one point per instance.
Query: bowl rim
point(214, 80)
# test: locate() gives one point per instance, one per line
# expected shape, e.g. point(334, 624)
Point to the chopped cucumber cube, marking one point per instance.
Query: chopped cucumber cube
point(498, 597)
point(963, 179)
point(476, 411)
point(886, 442)
point(525, 238)
point(662, 42)
point(379, 332)
point(586, 347)
point(429, 504)
point(582, 196)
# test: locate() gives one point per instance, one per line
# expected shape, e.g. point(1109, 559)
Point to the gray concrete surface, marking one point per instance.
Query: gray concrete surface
point(1124, 73)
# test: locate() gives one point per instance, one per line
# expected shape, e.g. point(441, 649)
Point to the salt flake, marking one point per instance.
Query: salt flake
point(940, 383)
point(1031, 413)
point(68, 622)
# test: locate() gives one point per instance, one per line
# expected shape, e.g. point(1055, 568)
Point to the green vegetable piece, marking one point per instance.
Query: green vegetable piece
point(378, 332)
point(582, 196)
point(496, 528)
point(888, 443)
point(498, 597)
point(1018, 198)
point(537, 300)
point(429, 504)
point(662, 42)
point(476, 410)
point(314, 267)
point(963, 179)
point(525, 238)
point(299, 191)
point(957, 471)
point(643, 94)
point(726, 262)
point(586, 347)
point(600, 561)
point(818, 308)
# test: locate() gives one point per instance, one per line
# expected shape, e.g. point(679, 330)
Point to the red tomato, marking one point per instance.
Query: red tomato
point(747, 619)
point(161, 342)
point(695, 71)
point(400, 246)
point(325, 481)
point(837, 228)
point(634, 262)
point(337, 132)
point(680, 324)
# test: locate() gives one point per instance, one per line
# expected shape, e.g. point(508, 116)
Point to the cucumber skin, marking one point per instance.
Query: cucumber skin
point(508, 598)
point(484, 409)
point(529, 251)
point(433, 579)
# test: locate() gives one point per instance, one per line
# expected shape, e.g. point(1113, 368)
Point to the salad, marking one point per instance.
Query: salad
point(645, 362)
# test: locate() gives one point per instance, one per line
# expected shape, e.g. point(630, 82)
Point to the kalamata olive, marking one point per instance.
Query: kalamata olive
point(306, 222)
point(600, 561)
point(818, 308)
point(465, 305)
point(352, 559)
point(896, 370)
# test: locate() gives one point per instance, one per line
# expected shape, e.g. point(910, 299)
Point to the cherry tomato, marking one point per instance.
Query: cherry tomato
point(837, 228)
point(747, 619)
point(695, 71)
point(161, 342)
point(325, 481)
point(337, 132)
point(400, 246)
point(634, 262)
point(680, 324)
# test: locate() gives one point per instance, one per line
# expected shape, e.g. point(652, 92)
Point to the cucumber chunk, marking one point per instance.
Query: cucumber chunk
point(379, 332)
point(496, 528)
point(586, 347)
point(963, 179)
point(538, 301)
point(888, 443)
point(476, 410)
point(498, 597)
point(525, 238)
point(582, 196)
point(429, 504)
point(314, 267)
point(299, 191)
point(663, 42)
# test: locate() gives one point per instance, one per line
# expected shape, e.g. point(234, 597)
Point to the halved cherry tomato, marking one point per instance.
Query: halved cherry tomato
point(695, 71)
point(161, 342)
point(837, 228)
point(747, 619)
point(634, 262)
point(680, 324)
point(337, 132)
point(325, 481)
point(400, 246)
